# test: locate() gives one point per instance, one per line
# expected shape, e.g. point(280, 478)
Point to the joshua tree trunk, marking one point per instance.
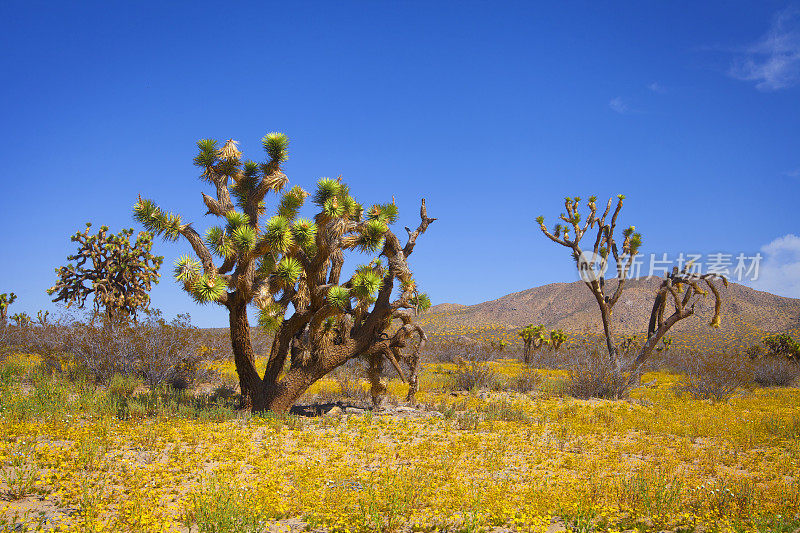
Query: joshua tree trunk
point(605, 314)
point(243, 356)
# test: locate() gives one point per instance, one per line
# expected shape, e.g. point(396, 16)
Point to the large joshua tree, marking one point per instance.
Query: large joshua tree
point(290, 268)
point(678, 292)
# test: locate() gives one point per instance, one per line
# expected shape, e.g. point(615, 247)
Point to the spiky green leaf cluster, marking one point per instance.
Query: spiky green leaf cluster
point(338, 297)
point(187, 269)
point(236, 219)
point(291, 202)
point(270, 317)
point(333, 208)
point(244, 238)
point(219, 242)
point(421, 301)
point(277, 146)
point(265, 267)
point(287, 272)
point(278, 234)
point(304, 232)
point(207, 153)
point(228, 167)
point(636, 243)
point(365, 284)
point(242, 189)
point(208, 288)
point(351, 208)
point(371, 237)
point(327, 189)
point(156, 220)
point(386, 213)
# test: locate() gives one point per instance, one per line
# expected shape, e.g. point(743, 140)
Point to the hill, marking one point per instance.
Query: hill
point(571, 307)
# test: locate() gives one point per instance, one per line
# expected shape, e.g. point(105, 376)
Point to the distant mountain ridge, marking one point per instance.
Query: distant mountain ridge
point(571, 307)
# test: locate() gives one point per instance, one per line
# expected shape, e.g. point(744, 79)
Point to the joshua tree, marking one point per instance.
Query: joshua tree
point(119, 274)
point(533, 338)
point(5, 301)
point(557, 338)
point(602, 230)
point(295, 261)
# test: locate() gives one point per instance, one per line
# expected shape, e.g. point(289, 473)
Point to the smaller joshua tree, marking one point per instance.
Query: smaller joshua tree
point(117, 272)
point(533, 337)
point(681, 288)
point(557, 338)
point(5, 301)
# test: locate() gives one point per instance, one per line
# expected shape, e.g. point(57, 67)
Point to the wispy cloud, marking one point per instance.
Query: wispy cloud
point(657, 88)
point(773, 62)
point(618, 104)
point(779, 272)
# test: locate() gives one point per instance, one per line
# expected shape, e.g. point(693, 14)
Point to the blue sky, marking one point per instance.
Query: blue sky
point(493, 111)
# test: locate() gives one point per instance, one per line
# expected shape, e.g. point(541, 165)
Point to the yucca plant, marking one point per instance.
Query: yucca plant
point(290, 269)
point(679, 290)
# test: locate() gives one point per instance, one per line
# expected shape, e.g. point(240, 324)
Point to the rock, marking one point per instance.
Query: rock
point(335, 411)
point(404, 409)
point(353, 411)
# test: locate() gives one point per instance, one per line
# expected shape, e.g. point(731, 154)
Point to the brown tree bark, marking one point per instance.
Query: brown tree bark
point(244, 358)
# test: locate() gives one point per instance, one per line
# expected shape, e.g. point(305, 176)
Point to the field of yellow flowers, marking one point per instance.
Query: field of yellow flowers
point(78, 457)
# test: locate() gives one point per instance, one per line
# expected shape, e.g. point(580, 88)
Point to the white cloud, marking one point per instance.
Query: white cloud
point(779, 272)
point(657, 88)
point(773, 62)
point(619, 105)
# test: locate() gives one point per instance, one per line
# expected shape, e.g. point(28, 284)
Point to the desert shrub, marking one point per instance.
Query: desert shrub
point(464, 349)
point(714, 376)
point(590, 375)
point(755, 351)
point(775, 372)
point(153, 349)
point(350, 387)
point(468, 420)
point(471, 376)
point(122, 386)
point(505, 411)
point(783, 345)
point(527, 381)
